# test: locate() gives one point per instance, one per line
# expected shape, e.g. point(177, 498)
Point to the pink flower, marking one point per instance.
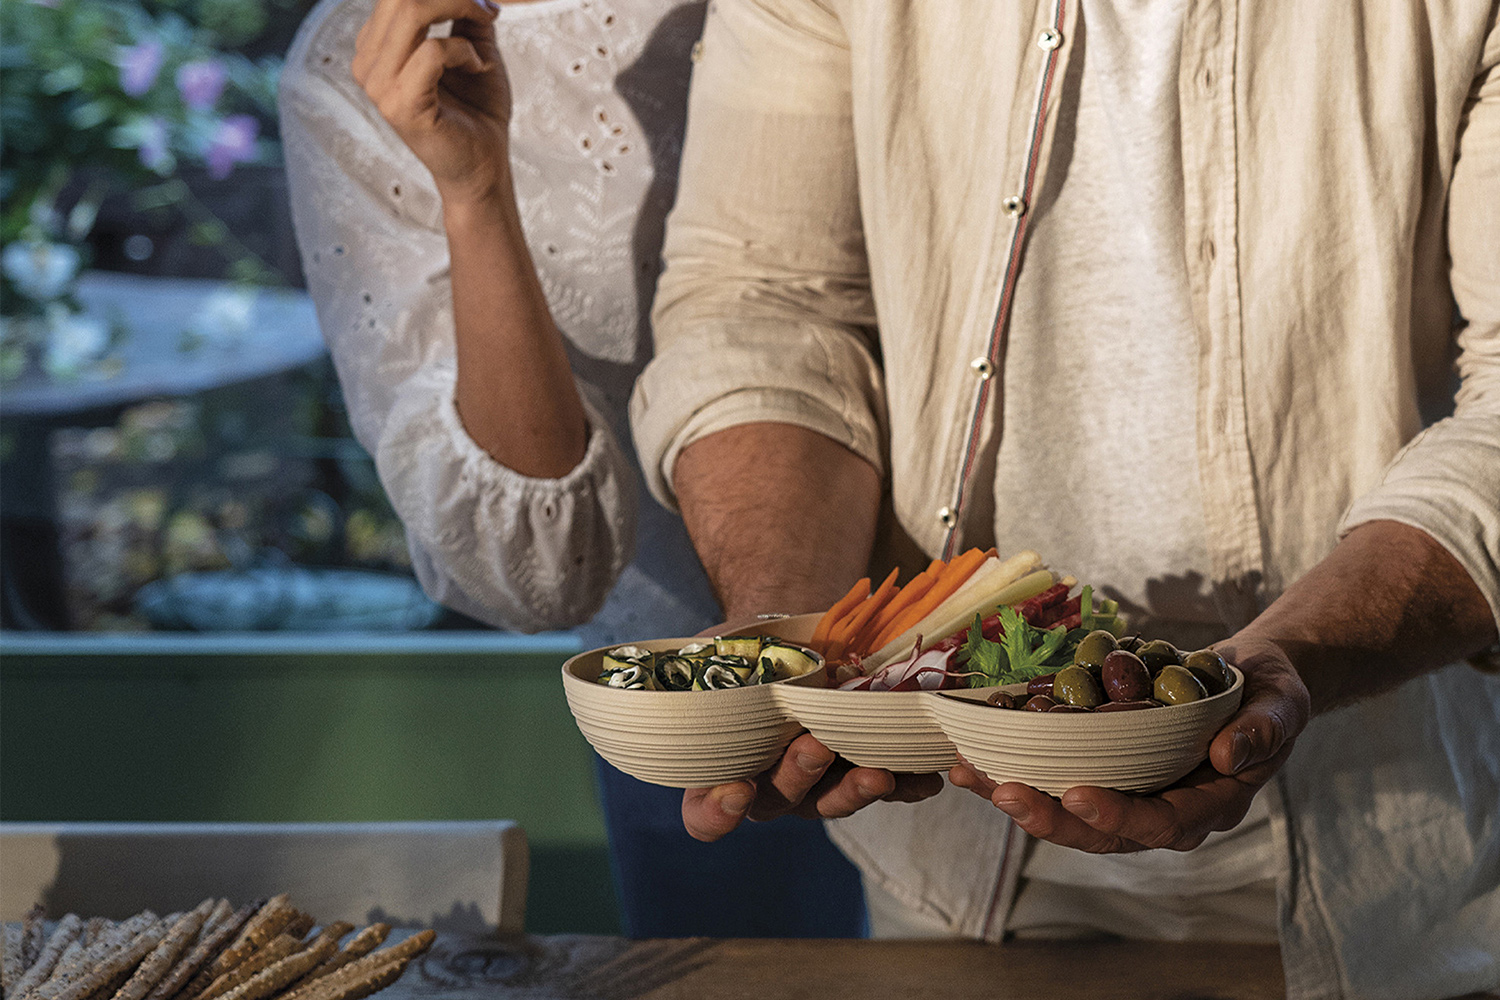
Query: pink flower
point(200, 83)
point(139, 65)
point(233, 142)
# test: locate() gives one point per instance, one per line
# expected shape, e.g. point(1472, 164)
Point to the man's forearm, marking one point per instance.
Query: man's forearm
point(783, 518)
point(1387, 604)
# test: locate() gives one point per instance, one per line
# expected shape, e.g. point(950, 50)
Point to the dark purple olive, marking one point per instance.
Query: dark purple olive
point(1067, 708)
point(1041, 685)
point(1128, 706)
point(1002, 699)
point(1125, 677)
point(1039, 703)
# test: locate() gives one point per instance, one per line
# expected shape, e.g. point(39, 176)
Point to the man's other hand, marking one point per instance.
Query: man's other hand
point(809, 781)
point(1243, 757)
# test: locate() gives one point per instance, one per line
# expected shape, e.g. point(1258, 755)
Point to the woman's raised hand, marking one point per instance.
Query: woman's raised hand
point(447, 98)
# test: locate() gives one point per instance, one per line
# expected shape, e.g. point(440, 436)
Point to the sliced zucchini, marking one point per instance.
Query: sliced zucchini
point(717, 677)
point(631, 677)
point(674, 672)
point(747, 646)
point(787, 660)
point(697, 650)
point(625, 656)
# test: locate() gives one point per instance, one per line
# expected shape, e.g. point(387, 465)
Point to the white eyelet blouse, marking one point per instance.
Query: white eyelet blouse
point(599, 94)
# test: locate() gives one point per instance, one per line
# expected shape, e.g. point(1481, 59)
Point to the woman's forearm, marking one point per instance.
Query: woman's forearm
point(515, 391)
point(1387, 604)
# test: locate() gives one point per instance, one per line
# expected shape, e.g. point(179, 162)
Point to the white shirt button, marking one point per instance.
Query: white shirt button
point(945, 516)
point(1014, 205)
point(1049, 39)
point(982, 367)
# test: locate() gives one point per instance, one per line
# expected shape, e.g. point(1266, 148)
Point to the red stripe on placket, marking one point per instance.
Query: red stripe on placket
point(1007, 286)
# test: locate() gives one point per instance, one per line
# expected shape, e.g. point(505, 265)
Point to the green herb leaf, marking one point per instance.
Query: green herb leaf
point(982, 656)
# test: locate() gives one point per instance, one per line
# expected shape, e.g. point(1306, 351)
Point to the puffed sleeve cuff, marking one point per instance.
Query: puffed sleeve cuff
point(512, 550)
point(1446, 482)
point(820, 378)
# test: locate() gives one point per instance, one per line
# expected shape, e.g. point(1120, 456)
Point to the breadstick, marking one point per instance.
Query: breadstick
point(33, 935)
point(353, 989)
point(65, 934)
point(363, 943)
point(268, 921)
point(209, 943)
point(122, 959)
point(165, 954)
point(299, 925)
point(364, 967)
point(332, 932)
point(280, 947)
point(283, 973)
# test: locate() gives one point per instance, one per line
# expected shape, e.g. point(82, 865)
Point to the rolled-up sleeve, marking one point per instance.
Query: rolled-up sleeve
point(1446, 481)
point(508, 549)
point(764, 311)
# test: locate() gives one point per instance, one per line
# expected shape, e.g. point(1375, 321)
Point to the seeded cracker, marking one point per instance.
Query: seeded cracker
point(161, 959)
point(280, 947)
point(363, 943)
point(66, 933)
point(364, 969)
point(122, 959)
point(14, 966)
point(281, 974)
point(208, 946)
point(82, 962)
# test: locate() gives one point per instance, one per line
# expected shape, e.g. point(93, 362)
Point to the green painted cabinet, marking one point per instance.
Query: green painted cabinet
point(304, 728)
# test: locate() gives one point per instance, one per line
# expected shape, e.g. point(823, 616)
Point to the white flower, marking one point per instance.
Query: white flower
point(73, 340)
point(225, 316)
point(40, 271)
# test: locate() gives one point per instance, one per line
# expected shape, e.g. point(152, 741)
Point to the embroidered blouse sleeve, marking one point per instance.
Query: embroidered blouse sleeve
point(1446, 481)
point(764, 312)
point(525, 553)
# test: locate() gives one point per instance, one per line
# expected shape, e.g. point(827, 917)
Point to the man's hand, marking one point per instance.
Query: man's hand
point(783, 550)
point(809, 781)
point(1388, 604)
point(1243, 756)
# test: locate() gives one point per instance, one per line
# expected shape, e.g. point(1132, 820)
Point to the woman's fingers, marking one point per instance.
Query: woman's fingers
point(384, 49)
point(413, 97)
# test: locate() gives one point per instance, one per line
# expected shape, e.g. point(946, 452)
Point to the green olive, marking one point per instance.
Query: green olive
point(1076, 686)
point(1158, 653)
point(1210, 669)
point(1093, 648)
point(1176, 686)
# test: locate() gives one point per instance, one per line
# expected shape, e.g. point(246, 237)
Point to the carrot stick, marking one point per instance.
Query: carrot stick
point(908, 595)
point(951, 578)
point(857, 593)
point(849, 631)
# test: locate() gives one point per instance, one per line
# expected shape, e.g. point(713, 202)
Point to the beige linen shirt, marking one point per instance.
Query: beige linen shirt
point(1342, 193)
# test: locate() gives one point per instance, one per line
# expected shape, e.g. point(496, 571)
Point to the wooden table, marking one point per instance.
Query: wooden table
point(605, 968)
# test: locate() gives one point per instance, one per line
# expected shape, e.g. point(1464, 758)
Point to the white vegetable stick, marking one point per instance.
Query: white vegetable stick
point(984, 591)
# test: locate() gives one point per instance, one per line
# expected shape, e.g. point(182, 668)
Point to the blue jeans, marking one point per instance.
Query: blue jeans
point(783, 878)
